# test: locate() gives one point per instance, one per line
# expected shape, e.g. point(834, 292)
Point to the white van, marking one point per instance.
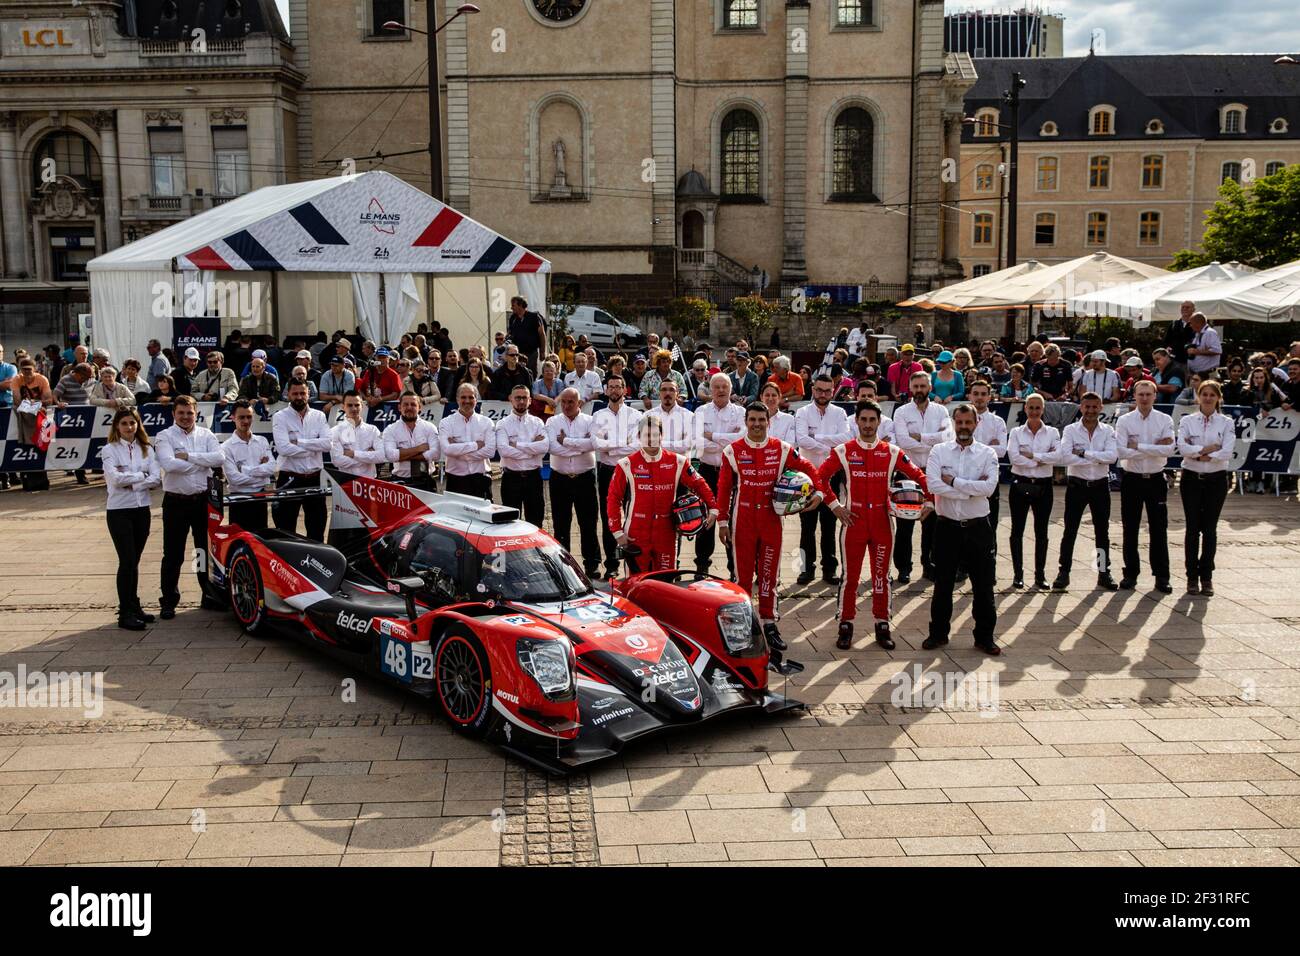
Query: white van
point(601, 329)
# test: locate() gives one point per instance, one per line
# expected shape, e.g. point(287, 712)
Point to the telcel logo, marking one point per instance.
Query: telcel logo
point(351, 622)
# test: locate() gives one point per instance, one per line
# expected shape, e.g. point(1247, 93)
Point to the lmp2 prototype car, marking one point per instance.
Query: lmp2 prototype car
point(462, 602)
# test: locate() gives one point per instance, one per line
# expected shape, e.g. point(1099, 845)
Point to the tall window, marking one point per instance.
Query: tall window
point(1047, 169)
point(167, 160)
point(1274, 167)
point(1149, 229)
point(1103, 121)
point(1231, 171)
point(73, 156)
point(986, 123)
point(983, 235)
point(381, 12)
point(740, 14)
point(851, 155)
point(1234, 121)
point(984, 178)
point(1099, 172)
point(1098, 223)
point(1045, 229)
point(741, 155)
point(852, 13)
point(230, 149)
point(1153, 172)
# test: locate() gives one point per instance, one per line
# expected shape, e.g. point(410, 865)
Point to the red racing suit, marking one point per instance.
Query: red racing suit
point(650, 487)
point(868, 475)
point(745, 481)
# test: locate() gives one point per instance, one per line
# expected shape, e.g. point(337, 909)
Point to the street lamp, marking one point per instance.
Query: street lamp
point(435, 103)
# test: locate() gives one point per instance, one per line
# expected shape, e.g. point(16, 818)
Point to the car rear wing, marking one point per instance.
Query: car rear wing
point(220, 499)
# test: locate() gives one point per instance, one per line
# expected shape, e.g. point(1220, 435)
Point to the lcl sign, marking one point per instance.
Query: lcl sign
point(46, 38)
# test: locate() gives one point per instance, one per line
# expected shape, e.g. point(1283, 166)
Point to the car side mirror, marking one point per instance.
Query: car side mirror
point(408, 587)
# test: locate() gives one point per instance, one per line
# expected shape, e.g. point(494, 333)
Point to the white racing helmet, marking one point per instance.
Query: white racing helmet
point(792, 493)
point(906, 501)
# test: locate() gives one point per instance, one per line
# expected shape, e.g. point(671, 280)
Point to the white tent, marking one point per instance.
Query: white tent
point(1156, 299)
point(958, 295)
point(1270, 295)
point(367, 249)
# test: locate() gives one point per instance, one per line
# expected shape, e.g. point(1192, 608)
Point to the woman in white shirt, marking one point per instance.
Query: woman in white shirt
point(1206, 439)
point(131, 471)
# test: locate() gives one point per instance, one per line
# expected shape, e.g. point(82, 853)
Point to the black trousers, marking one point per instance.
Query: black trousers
point(1093, 497)
point(476, 486)
point(995, 506)
point(576, 494)
point(1030, 494)
point(249, 515)
point(1136, 492)
point(962, 544)
point(1203, 496)
point(604, 475)
point(808, 524)
point(706, 540)
point(184, 519)
point(903, 545)
point(285, 513)
point(523, 490)
point(129, 530)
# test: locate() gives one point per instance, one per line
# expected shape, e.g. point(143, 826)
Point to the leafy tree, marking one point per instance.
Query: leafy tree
point(754, 314)
point(1258, 224)
point(689, 315)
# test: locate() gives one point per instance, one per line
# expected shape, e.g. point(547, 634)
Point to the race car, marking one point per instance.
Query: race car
point(462, 602)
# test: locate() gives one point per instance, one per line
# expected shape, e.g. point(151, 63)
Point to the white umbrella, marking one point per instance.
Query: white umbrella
point(1154, 299)
point(956, 295)
point(1270, 295)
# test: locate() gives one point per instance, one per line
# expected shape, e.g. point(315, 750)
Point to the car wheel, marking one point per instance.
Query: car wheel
point(244, 588)
point(463, 682)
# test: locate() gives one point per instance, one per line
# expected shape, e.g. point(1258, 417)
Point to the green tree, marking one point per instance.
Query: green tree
point(689, 315)
point(1258, 224)
point(754, 314)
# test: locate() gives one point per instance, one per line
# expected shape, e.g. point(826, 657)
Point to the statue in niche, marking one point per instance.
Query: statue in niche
point(560, 186)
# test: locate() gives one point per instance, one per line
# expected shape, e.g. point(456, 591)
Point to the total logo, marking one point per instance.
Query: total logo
point(351, 622)
point(636, 642)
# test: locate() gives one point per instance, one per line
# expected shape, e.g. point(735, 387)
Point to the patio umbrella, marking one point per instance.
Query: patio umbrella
point(1270, 295)
point(953, 296)
point(1155, 299)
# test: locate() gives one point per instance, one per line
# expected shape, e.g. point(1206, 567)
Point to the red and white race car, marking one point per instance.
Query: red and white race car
point(461, 601)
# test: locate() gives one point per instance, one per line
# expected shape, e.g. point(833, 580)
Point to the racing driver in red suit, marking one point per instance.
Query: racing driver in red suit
point(751, 467)
point(649, 479)
point(869, 465)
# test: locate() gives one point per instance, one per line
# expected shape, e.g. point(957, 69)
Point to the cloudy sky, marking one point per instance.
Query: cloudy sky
point(1159, 26)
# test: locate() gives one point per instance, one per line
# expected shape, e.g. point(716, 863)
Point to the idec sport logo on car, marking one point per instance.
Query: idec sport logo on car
point(353, 623)
point(382, 493)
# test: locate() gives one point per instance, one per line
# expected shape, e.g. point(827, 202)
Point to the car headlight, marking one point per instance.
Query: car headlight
point(736, 622)
point(546, 662)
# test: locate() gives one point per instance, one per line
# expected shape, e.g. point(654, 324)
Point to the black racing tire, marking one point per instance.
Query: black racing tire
point(462, 682)
point(245, 592)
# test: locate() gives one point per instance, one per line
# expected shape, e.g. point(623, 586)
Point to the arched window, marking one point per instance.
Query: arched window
point(1155, 127)
point(693, 230)
point(1101, 121)
point(983, 229)
point(1048, 129)
point(986, 123)
point(984, 178)
point(73, 156)
point(742, 156)
point(1233, 119)
point(851, 156)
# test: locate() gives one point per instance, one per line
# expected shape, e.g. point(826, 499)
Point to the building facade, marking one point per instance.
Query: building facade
point(1121, 153)
point(648, 147)
point(120, 118)
point(1020, 33)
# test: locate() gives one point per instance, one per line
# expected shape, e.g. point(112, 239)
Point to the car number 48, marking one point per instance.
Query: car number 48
point(403, 661)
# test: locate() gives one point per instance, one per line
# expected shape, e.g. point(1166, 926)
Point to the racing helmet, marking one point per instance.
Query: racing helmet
point(906, 501)
point(689, 515)
point(792, 493)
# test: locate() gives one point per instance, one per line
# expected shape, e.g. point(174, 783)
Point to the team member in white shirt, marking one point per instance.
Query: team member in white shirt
point(919, 425)
point(779, 424)
point(411, 444)
point(468, 442)
point(585, 380)
point(302, 435)
point(130, 471)
point(1032, 450)
point(1206, 348)
point(1206, 439)
point(614, 432)
point(573, 478)
point(961, 475)
point(1088, 449)
point(249, 467)
point(991, 431)
point(718, 423)
point(677, 420)
point(356, 446)
point(818, 427)
point(1145, 440)
point(187, 453)
point(521, 442)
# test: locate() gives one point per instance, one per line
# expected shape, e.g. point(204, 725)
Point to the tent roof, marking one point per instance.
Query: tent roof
point(368, 222)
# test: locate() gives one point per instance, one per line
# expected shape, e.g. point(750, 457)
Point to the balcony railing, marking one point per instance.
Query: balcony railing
point(232, 46)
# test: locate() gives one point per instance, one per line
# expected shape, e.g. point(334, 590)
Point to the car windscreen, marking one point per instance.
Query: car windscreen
point(531, 574)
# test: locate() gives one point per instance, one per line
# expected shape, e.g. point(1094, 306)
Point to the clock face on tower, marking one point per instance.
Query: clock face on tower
point(560, 11)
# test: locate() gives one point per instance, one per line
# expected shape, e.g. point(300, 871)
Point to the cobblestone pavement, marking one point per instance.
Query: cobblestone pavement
point(1129, 729)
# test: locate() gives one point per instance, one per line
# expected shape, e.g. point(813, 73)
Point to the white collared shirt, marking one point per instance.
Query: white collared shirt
point(187, 476)
point(1195, 432)
point(399, 436)
point(934, 425)
point(974, 470)
point(366, 443)
point(1088, 456)
point(1043, 444)
point(614, 433)
point(991, 430)
point(245, 470)
point(817, 431)
point(460, 437)
point(588, 384)
point(1148, 457)
point(521, 442)
point(300, 441)
point(726, 425)
point(576, 454)
point(782, 426)
point(1207, 338)
point(679, 428)
point(1104, 383)
point(130, 472)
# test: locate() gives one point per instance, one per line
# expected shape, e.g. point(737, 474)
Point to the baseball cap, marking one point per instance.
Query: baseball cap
point(304, 354)
point(336, 359)
point(944, 356)
point(259, 353)
point(192, 353)
point(1133, 360)
point(909, 347)
point(1098, 356)
point(742, 354)
point(384, 350)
